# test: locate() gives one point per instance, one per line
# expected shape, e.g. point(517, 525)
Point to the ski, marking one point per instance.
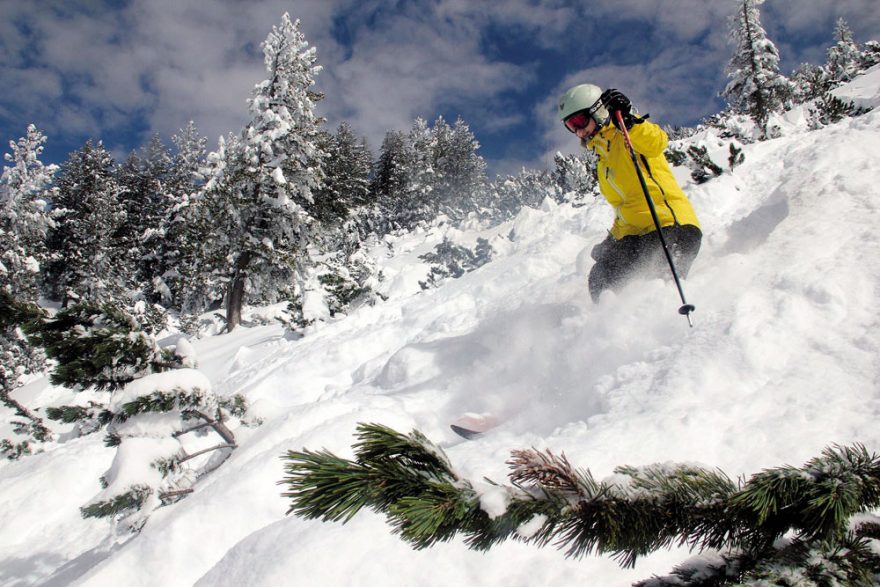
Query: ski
point(471, 425)
point(464, 432)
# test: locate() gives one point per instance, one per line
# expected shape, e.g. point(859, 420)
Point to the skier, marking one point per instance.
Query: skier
point(632, 245)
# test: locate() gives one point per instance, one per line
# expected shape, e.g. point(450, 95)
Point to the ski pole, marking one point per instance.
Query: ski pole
point(685, 308)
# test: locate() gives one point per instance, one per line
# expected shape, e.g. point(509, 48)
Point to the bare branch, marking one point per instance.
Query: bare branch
point(207, 450)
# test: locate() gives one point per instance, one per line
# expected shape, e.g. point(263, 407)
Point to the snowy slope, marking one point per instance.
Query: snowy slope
point(783, 361)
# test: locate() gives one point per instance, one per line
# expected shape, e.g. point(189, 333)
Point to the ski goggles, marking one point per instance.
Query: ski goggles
point(578, 120)
point(581, 118)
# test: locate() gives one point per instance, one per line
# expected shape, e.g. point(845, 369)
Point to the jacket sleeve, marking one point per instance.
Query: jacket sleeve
point(648, 139)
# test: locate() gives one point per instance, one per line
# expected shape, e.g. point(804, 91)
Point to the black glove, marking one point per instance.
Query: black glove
point(615, 101)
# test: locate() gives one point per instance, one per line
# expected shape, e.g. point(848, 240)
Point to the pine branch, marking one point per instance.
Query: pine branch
point(325, 486)
point(638, 511)
point(34, 425)
point(132, 499)
point(179, 398)
point(817, 499)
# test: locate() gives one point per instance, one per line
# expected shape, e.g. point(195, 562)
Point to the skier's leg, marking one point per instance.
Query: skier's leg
point(685, 247)
point(598, 280)
point(614, 263)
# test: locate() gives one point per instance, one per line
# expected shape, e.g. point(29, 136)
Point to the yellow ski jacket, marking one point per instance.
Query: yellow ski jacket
point(620, 185)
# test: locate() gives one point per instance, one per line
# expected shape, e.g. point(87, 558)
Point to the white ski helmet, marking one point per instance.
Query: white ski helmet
point(584, 97)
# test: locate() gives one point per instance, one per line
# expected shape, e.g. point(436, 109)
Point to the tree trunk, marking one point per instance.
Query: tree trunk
point(235, 292)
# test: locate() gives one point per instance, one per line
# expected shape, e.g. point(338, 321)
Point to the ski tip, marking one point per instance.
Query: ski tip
point(464, 432)
point(470, 425)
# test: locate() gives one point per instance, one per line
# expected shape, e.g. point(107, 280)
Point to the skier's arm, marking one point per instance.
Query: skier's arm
point(648, 139)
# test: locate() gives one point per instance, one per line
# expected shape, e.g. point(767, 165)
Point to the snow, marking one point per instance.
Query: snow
point(185, 351)
point(132, 465)
point(784, 359)
point(278, 176)
point(864, 91)
point(493, 499)
point(165, 382)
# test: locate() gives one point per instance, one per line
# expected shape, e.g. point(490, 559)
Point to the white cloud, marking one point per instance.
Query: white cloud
point(409, 69)
point(166, 62)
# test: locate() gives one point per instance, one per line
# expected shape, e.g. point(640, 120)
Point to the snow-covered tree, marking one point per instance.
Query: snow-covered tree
point(189, 159)
point(156, 168)
point(844, 58)
point(24, 220)
point(170, 430)
point(416, 202)
point(429, 171)
point(510, 194)
point(576, 175)
point(87, 215)
point(103, 346)
point(756, 86)
point(451, 260)
point(344, 277)
point(266, 182)
point(390, 176)
point(18, 359)
point(209, 223)
point(459, 172)
point(347, 176)
point(145, 195)
point(809, 82)
point(870, 54)
point(180, 232)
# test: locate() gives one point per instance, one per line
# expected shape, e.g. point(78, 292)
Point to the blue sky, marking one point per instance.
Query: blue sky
point(119, 70)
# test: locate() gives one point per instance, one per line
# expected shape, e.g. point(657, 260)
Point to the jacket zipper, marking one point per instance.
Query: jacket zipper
point(662, 191)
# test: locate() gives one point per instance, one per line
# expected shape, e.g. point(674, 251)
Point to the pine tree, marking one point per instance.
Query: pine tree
point(24, 220)
point(269, 177)
point(820, 508)
point(145, 197)
point(210, 224)
point(347, 176)
point(451, 260)
point(510, 194)
point(181, 233)
point(870, 55)
point(459, 173)
point(829, 109)
point(87, 215)
point(756, 86)
point(576, 175)
point(103, 346)
point(416, 202)
point(152, 422)
point(18, 358)
point(844, 58)
point(134, 190)
point(347, 213)
point(809, 82)
point(702, 167)
point(347, 276)
point(430, 171)
point(389, 180)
